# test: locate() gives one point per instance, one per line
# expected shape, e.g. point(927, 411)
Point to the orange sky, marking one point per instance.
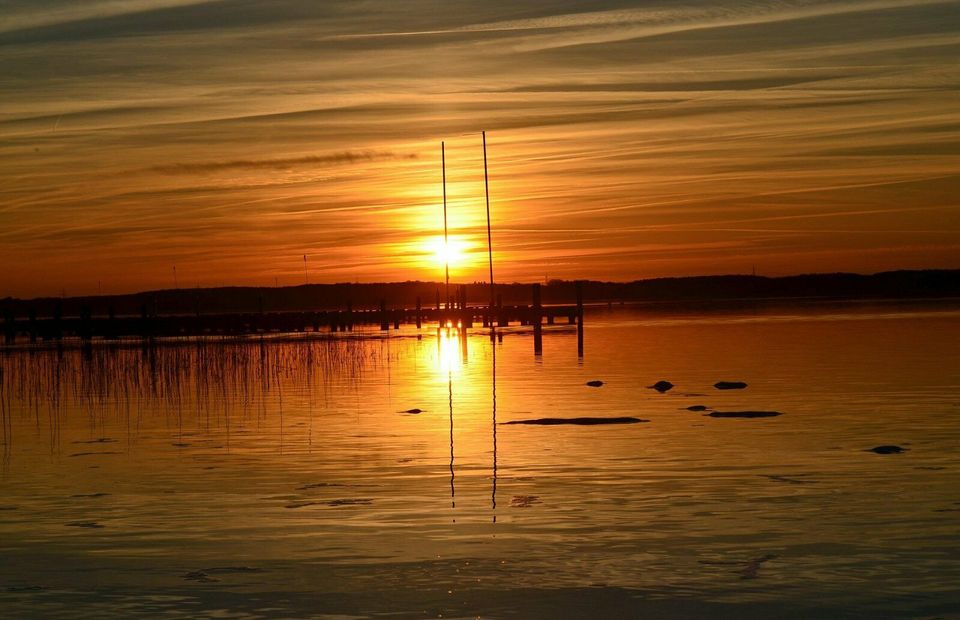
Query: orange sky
point(627, 139)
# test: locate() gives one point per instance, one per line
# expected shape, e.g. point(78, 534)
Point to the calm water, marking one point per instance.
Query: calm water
point(281, 478)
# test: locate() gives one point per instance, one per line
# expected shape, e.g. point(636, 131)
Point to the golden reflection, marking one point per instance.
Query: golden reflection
point(451, 351)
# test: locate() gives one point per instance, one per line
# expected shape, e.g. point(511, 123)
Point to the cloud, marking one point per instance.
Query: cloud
point(626, 137)
point(334, 159)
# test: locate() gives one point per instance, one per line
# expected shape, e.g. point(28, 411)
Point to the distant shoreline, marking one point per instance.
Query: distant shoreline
point(668, 292)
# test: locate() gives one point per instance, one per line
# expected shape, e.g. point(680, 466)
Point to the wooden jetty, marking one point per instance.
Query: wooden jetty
point(456, 312)
point(148, 326)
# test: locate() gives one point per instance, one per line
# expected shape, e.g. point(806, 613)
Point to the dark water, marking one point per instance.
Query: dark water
point(280, 479)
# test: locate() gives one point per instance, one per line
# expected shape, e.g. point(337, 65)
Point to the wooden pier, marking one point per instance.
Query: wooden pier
point(456, 313)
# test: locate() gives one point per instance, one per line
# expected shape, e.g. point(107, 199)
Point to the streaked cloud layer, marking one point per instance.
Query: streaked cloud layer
point(627, 139)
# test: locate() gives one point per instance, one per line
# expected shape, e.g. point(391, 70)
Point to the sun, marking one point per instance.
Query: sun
point(454, 252)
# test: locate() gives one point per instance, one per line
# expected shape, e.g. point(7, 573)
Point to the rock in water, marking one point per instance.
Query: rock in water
point(744, 414)
point(413, 411)
point(887, 450)
point(753, 566)
point(594, 383)
point(729, 385)
point(662, 386)
point(577, 421)
point(697, 408)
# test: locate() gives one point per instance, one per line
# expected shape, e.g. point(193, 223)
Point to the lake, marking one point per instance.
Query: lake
point(282, 478)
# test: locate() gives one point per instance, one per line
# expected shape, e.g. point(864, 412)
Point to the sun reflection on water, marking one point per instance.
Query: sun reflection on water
point(451, 351)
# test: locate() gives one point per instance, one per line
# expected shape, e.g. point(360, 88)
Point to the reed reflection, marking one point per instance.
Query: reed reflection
point(248, 398)
point(190, 387)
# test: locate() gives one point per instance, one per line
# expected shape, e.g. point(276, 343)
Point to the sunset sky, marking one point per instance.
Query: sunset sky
point(626, 139)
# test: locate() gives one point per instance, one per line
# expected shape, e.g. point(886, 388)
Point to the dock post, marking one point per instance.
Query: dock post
point(350, 315)
point(9, 326)
point(419, 320)
point(57, 317)
point(465, 312)
point(144, 322)
point(535, 318)
point(33, 324)
point(85, 329)
point(384, 321)
point(110, 333)
point(260, 321)
point(501, 319)
point(579, 286)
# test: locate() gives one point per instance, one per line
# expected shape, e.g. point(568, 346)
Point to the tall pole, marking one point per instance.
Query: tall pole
point(486, 187)
point(305, 279)
point(446, 247)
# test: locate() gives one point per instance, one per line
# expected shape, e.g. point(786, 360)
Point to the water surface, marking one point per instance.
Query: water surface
point(282, 478)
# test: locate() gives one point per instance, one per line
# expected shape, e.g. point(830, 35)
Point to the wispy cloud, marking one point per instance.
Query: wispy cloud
point(333, 159)
point(627, 138)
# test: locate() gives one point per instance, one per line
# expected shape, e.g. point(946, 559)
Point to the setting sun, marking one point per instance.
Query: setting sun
point(455, 252)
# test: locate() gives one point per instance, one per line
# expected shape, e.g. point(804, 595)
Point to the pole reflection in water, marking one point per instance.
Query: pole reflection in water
point(453, 491)
point(493, 369)
point(452, 356)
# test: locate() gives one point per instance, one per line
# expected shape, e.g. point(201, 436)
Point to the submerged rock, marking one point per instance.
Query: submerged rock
point(223, 570)
point(595, 383)
point(93, 453)
point(744, 414)
point(887, 450)
point(524, 501)
point(730, 385)
point(753, 566)
point(318, 485)
point(350, 501)
point(777, 478)
point(578, 421)
point(661, 386)
point(25, 588)
point(205, 575)
point(295, 505)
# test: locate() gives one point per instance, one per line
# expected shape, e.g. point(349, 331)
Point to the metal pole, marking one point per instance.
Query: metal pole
point(486, 187)
point(446, 247)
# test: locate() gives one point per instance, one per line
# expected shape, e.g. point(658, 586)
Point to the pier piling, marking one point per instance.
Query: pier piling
point(579, 286)
point(384, 321)
point(536, 312)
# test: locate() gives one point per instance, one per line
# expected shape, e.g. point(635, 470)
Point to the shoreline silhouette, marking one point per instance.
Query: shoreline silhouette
point(682, 291)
